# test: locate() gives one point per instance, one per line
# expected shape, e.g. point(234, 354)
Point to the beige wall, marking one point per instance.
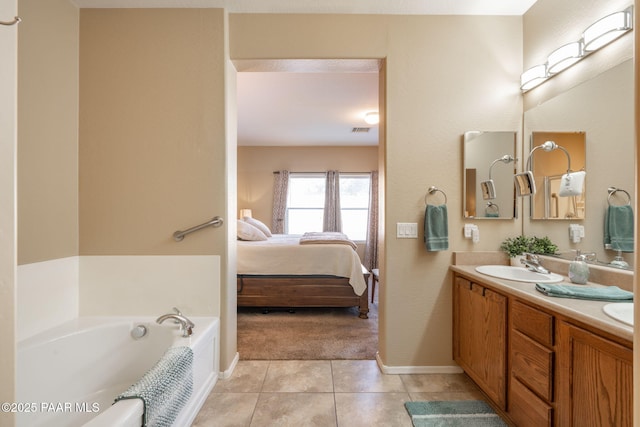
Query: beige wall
point(8, 167)
point(153, 146)
point(228, 279)
point(152, 130)
point(257, 164)
point(444, 75)
point(47, 131)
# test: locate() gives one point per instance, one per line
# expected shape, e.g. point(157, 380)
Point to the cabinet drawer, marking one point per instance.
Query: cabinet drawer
point(526, 409)
point(532, 364)
point(532, 322)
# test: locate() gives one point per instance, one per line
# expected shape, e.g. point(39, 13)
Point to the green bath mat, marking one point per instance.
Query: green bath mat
point(453, 413)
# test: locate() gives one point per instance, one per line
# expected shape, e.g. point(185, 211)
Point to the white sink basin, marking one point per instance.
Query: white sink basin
point(621, 311)
point(519, 274)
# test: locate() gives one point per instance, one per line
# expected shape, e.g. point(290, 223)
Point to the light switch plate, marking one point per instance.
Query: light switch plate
point(407, 230)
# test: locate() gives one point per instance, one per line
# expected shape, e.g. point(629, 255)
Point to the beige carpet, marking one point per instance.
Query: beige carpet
point(307, 334)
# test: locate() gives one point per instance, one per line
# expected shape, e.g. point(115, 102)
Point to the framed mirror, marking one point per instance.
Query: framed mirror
point(549, 170)
point(489, 166)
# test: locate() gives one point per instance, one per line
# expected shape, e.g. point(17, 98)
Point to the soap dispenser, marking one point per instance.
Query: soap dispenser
point(579, 269)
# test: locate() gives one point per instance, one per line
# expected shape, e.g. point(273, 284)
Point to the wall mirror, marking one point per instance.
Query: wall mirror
point(602, 108)
point(489, 165)
point(548, 169)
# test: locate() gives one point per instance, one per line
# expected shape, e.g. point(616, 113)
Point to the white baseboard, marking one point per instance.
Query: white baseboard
point(227, 373)
point(454, 369)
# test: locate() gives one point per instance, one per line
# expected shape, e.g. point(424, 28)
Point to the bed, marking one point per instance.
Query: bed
point(283, 272)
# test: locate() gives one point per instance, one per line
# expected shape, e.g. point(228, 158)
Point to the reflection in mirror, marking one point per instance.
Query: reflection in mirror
point(489, 165)
point(602, 107)
point(552, 200)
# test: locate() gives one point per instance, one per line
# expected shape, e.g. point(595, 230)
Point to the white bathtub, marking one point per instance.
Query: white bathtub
point(70, 374)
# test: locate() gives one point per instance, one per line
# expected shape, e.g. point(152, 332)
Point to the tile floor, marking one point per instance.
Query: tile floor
point(323, 393)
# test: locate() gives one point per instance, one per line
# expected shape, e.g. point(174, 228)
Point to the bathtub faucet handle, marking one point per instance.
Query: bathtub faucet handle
point(186, 325)
point(189, 322)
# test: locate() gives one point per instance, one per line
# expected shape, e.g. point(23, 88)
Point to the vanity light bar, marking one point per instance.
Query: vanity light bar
point(597, 35)
point(533, 77)
point(606, 30)
point(564, 57)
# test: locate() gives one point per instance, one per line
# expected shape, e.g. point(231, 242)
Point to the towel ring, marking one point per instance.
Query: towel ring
point(492, 208)
point(614, 190)
point(432, 190)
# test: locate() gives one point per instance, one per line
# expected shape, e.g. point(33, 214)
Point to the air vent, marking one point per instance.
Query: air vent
point(360, 130)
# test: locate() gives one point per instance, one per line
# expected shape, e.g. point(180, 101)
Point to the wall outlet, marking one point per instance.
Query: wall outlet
point(407, 230)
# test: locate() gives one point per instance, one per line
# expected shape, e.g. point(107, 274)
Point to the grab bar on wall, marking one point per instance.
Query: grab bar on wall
point(215, 222)
point(15, 21)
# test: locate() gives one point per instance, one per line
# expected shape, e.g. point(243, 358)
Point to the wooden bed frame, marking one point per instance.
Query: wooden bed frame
point(301, 291)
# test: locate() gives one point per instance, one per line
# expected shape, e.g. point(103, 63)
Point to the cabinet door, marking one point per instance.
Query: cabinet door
point(595, 380)
point(480, 337)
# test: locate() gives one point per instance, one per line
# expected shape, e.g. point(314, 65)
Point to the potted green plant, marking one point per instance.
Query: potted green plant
point(543, 245)
point(516, 246)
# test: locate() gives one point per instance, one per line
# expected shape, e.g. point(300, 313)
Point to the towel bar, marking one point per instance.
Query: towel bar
point(16, 20)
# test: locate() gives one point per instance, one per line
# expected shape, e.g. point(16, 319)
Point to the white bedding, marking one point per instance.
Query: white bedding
point(283, 254)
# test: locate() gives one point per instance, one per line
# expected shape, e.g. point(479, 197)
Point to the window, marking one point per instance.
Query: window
point(305, 203)
point(354, 205)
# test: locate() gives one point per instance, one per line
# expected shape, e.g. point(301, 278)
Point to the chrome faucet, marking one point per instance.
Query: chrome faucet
point(186, 325)
point(532, 262)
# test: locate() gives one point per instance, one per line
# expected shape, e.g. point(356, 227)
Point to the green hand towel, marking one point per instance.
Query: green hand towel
point(436, 228)
point(608, 293)
point(618, 227)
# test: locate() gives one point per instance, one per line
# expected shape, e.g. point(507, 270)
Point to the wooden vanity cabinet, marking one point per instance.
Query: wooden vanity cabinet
point(560, 372)
point(595, 379)
point(480, 332)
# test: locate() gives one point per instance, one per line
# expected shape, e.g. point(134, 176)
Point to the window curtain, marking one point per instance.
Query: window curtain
point(332, 219)
point(371, 246)
point(280, 192)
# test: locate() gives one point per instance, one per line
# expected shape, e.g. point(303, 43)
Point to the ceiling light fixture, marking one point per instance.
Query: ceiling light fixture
point(597, 35)
point(372, 118)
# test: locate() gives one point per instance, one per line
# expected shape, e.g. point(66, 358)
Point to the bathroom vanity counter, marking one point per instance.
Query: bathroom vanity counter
point(584, 311)
point(542, 360)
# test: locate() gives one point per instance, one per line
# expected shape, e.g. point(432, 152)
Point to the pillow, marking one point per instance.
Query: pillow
point(258, 224)
point(247, 231)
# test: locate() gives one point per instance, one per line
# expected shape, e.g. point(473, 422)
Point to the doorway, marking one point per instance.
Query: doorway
point(303, 116)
